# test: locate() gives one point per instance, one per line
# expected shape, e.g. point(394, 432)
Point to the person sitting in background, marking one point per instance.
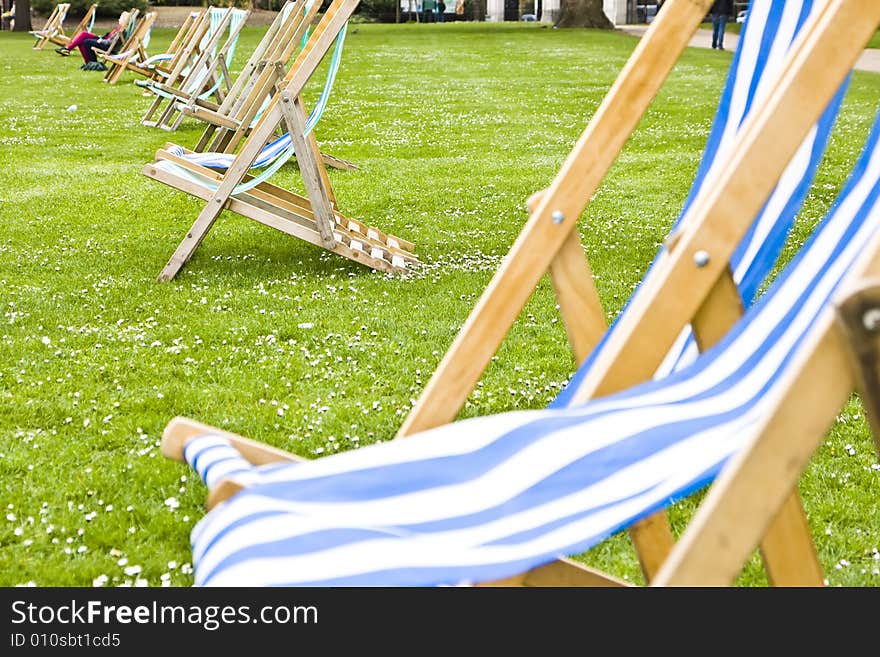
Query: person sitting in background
point(88, 42)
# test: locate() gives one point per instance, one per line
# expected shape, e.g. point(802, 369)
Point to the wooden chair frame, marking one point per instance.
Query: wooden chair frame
point(54, 26)
point(279, 43)
point(208, 71)
point(756, 489)
point(189, 52)
point(132, 50)
point(159, 70)
point(313, 218)
point(62, 39)
point(230, 121)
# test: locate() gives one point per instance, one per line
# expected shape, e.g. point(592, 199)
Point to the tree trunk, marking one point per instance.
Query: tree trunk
point(22, 16)
point(583, 13)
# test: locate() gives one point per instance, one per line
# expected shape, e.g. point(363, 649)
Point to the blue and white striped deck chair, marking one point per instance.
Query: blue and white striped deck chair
point(547, 244)
point(315, 217)
point(208, 75)
point(490, 498)
point(487, 498)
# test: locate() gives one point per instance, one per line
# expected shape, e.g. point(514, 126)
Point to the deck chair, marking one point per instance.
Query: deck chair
point(313, 218)
point(376, 536)
point(171, 72)
point(129, 20)
point(157, 67)
point(207, 77)
point(284, 37)
point(85, 25)
point(133, 49)
point(54, 26)
point(229, 122)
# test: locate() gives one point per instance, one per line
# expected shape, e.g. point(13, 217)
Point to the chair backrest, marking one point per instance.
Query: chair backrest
point(56, 18)
point(124, 47)
point(128, 21)
point(212, 68)
point(87, 22)
point(159, 64)
point(771, 28)
point(192, 71)
point(279, 150)
point(274, 46)
point(254, 88)
point(189, 50)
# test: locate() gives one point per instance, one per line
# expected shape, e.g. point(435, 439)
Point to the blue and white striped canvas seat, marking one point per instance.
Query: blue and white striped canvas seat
point(486, 498)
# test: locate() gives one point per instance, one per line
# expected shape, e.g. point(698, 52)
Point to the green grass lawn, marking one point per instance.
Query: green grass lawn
point(453, 127)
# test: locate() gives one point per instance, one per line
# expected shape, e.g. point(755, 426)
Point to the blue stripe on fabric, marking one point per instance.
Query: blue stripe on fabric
point(768, 39)
point(722, 117)
point(459, 468)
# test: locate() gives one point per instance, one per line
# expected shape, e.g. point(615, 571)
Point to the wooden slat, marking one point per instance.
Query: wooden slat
point(563, 572)
point(787, 548)
point(182, 429)
point(578, 299)
point(317, 186)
